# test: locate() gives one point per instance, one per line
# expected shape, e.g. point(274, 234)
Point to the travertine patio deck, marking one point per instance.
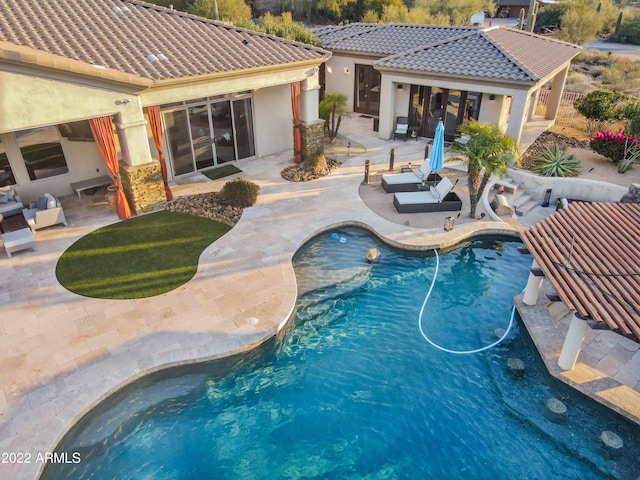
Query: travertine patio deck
point(62, 353)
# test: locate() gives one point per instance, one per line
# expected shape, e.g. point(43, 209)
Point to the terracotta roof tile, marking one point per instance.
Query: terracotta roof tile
point(589, 253)
point(496, 53)
point(121, 34)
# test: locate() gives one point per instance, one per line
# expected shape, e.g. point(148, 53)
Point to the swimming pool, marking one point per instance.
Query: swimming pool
point(353, 390)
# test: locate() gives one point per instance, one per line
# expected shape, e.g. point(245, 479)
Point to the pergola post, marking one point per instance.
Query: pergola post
point(534, 283)
point(573, 342)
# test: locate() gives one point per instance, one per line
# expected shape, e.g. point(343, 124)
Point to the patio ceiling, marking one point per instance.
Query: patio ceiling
point(590, 254)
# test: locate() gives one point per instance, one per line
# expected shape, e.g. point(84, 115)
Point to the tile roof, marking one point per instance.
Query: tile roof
point(589, 253)
point(142, 39)
point(384, 39)
point(495, 53)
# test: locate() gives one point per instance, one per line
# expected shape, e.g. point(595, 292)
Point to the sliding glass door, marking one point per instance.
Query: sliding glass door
point(208, 134)
point(429, 105)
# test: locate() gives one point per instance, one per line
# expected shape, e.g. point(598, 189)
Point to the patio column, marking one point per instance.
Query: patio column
point(517, 118)
point(573, 342)
point(141, 175)
point(311, 127)
point(387, 108)
point(557, 87)
point(534, 282)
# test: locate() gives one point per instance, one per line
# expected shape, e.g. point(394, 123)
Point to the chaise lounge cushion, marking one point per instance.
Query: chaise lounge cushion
point(408, 182)
point(438, 198)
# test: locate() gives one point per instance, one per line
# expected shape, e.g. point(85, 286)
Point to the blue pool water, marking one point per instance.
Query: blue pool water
point(352, 390)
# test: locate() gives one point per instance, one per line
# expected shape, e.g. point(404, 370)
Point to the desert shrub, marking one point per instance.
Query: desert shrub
point(239, 193)
point(316, 164)
point(631, 114)
point(600, 108)
point(578, 83)
point(612, 145)
point(555, 161)
point(629, 29)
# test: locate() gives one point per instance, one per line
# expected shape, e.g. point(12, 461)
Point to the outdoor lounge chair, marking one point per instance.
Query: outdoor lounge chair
point(438, 199)
point(402, 128)
point(409, 182)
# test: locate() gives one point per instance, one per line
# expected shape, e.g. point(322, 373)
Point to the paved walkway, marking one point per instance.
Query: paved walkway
point(62, 353)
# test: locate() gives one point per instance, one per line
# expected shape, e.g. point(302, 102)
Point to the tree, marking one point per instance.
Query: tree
point(488, 151)
point(331, 109)
point(601, 108)
point(282, 26)
point(228, 10)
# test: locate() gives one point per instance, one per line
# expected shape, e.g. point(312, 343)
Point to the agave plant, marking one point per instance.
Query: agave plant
point(555, 161)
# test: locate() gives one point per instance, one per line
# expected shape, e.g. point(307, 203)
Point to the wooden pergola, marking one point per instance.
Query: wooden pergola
point(590, 253)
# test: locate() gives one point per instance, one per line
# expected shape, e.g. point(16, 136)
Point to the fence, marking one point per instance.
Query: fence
point(567, 115)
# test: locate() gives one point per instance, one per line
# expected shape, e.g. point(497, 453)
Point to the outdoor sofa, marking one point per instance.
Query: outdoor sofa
point(10, 203)
point(44, 212)
point(437, 199)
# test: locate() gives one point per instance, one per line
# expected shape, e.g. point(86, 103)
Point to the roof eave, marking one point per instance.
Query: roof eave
point(520, 84)
point(18, 59)
point(230, 74)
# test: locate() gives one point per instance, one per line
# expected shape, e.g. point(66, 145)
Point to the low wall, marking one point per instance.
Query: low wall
point(574, 188)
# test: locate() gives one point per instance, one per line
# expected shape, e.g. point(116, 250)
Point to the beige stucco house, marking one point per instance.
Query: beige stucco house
point(224, 93)
point(430, 73)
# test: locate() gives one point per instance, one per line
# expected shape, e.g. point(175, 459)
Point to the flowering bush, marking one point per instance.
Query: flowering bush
point(612, 145)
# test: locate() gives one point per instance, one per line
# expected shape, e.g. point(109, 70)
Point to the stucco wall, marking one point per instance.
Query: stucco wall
point(575, 188)
point(273, 120)
point(340, 77)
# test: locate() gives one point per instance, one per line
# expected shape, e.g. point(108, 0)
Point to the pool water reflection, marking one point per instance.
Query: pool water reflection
point(353, 390)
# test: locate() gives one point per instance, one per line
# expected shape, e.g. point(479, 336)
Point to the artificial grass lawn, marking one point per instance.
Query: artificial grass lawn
point(224, 171)
point(137, 258)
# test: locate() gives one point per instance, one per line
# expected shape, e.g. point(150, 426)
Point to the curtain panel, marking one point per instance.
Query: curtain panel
point(295, 107)
point(156, 129)
point(102, 130)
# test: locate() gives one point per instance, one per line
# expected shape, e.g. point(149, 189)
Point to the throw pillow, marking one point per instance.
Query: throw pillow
point(41, 203)
point(10, 192)
point(51, 200)
point(4, 198)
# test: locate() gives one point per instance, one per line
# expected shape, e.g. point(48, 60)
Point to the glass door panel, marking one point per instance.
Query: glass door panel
point(452, 111)
point(223, 132)
point(201, 136)
point(362, 89)
point(374, 92)
point(243, 121)
point(434, 114)
point(179, 142)
point(416, 108)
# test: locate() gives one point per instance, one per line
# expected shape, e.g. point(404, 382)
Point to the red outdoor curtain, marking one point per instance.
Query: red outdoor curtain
point(295, 107)
point(102, 130)
point(156, 130)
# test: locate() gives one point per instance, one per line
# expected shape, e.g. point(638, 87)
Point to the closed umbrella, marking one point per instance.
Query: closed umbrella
point(437, 152)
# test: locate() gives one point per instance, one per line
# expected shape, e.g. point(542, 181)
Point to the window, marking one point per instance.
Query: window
point(42, 152)
point(6, 174)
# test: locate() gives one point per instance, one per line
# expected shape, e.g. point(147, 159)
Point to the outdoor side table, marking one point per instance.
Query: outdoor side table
point(18, 240)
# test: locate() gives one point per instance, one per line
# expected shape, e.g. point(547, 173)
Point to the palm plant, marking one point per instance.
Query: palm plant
point(555, 161)
point(488, 151)
point(332, 108)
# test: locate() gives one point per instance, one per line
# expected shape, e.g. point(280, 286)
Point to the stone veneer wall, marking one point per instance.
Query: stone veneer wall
point(312, 135)
point(143, 185)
